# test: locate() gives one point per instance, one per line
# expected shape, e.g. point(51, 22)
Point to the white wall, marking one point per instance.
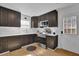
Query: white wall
point(68, 42)
point(28, 21)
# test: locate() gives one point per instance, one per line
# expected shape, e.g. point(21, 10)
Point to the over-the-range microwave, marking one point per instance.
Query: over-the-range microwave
point(43, 23)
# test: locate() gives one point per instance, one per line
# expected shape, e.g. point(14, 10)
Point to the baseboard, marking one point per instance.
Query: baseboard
point(68, 51)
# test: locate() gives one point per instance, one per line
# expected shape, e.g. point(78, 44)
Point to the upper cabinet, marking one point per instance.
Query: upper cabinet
point(44, 17)
point(52, 18)
point(34, 22)
point(9, 17)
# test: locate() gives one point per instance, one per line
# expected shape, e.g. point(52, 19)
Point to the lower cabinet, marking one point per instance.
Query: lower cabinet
point(41, 40)
point(52, 41)
point(25, 40)
point(3, 45)
point(14, 42)
point(49, 41)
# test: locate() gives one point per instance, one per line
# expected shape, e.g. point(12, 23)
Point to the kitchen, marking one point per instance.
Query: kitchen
point(42, 29)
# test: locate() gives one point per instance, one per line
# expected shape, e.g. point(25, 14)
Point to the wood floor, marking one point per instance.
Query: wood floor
point(39, 52)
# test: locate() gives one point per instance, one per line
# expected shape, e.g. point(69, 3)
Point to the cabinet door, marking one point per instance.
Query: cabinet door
point(34, 22)
point(3, 45)
point(43, 17)
point(52, 42)
point(26, 39)
point(13, 18)
point(18, 19)
point(52, 17)
point(9, 17)
point(13, 43)
point(3, 17)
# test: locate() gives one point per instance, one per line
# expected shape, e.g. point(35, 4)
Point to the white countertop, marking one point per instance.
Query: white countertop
point(6, 35)
point(13, 31)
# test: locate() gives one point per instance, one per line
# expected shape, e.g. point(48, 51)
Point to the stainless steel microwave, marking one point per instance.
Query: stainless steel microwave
point(43, 24)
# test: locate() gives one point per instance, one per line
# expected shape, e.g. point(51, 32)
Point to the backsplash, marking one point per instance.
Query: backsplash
point(53, 30)
point(8, 31)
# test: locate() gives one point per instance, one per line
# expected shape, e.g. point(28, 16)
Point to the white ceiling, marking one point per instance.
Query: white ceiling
point(34, 9)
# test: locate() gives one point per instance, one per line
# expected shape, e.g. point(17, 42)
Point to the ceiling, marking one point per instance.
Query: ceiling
point(34, 9)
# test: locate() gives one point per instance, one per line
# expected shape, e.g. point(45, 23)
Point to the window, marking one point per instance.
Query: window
point(70, 25)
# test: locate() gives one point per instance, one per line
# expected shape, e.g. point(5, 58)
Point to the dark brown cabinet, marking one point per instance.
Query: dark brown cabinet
point(9, 43)
point(3, 46)
point(14, 42)
point(9, 17)
point(3, 16)
point(52, 41)
point(52, 18)
point(26, 40)
point(40, 40)
point(34, 22)
point(44, 17)
point(13, 18)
